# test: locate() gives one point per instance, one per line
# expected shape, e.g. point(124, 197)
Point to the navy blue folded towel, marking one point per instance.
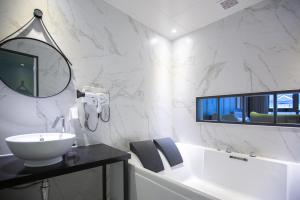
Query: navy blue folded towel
point(170, 150)
point(148, 155)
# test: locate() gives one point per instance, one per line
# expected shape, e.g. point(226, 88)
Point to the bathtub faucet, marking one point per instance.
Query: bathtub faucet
point(252, 154)
point(228, 150)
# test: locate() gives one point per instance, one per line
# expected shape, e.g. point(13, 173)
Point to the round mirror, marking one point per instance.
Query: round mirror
point(33, 67)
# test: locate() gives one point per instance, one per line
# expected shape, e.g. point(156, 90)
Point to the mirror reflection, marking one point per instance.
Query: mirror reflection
point(19, 71)
point(33, 68)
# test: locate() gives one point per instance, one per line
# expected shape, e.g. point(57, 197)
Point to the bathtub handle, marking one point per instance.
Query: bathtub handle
point(238, 158)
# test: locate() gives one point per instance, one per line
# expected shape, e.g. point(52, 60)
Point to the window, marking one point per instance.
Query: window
point(209, 109)
point(288, 108)
point(231, 109)
point(259, 109)
point(280, 108)
point(285, 101)
point(271, 102)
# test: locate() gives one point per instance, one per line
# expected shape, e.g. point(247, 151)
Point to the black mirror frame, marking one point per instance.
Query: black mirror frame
point(68, 64)
point(244, 95)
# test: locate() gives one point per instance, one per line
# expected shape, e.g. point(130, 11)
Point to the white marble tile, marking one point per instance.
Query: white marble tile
point(153, 95)
point(253, 51)
point(109, 50)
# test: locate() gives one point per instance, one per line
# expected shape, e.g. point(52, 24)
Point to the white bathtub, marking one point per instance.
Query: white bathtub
point(209, 174)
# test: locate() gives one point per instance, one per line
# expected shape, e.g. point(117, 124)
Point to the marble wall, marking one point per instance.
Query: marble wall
point(152, 94)
point(108, 49)
point(255, 50)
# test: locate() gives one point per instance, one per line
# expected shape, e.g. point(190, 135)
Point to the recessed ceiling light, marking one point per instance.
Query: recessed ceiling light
point(153, 41)
point(173, 30)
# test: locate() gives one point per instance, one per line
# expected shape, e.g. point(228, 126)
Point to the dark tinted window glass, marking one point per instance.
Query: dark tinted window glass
point(288, 108)
point(271, 101)
point(257, 109)
point(231, 109)
point(207, 109)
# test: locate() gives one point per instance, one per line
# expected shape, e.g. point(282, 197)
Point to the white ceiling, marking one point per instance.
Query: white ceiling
point(182, 15)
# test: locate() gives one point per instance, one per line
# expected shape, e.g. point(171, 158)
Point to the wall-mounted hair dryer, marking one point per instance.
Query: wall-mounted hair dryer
point(94, 97)
point(97, 99)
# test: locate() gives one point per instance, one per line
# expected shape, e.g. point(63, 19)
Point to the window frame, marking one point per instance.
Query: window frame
point(243, 96)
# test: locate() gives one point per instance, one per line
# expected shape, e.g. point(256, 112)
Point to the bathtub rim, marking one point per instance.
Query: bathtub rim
point(241, 154)
point(171, 182)
point(188, 189)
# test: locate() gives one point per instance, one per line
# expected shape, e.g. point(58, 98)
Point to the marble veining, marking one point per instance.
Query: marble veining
point(153, 82)
point(254, 50)
point(108, 49)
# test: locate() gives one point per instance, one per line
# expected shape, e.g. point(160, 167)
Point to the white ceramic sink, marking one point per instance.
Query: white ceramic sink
point(40, 149)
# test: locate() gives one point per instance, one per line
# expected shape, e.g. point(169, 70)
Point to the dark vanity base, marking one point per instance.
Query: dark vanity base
point(13, 172)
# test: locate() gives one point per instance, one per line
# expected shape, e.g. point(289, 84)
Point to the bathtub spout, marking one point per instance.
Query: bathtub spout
point(252, 154)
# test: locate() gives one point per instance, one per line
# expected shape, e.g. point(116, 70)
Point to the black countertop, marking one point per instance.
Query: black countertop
point(13, 172)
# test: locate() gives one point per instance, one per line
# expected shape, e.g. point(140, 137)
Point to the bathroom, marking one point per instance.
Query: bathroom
point(154, 62)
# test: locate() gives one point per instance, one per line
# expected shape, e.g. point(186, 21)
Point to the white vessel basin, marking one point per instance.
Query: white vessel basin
point(40, 149)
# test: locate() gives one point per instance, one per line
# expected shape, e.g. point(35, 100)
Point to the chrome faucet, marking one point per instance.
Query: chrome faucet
point(252, 154)
point(63, 125)
point(228, 150)
point(41, 138)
